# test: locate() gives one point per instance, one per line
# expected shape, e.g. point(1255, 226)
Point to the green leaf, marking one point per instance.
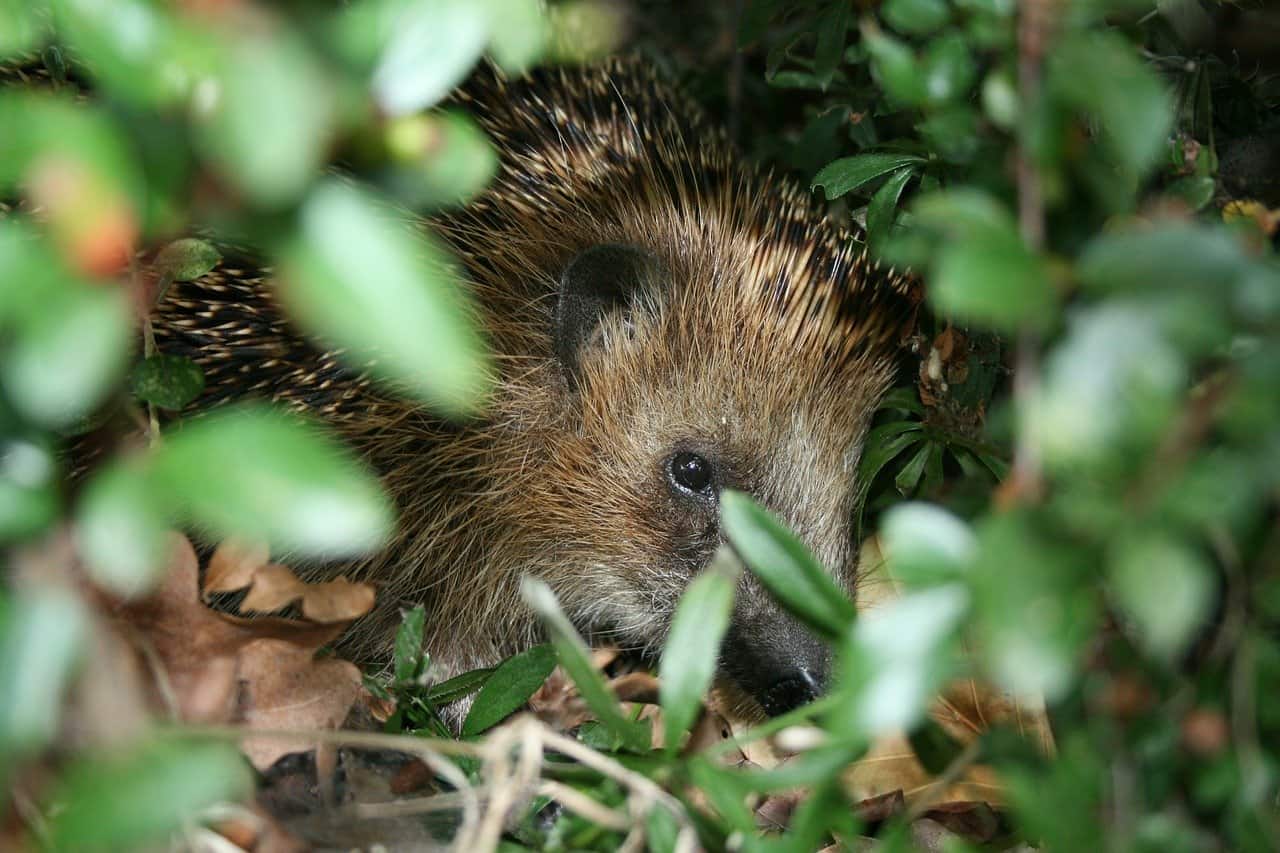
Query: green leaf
point(1034, 607)
point(186, 259)
point(1000, 99)
point(168, 381)
point(1196, 190)
point(21, 27)
point(64, 359)
point(933, 746)
point(520, 34)
point(1165, 588)
point(573, 656)
point(362, 281)
point(42, 632)
point(251, 472)
point(909, 477)
point(1170, 256)
point(832, 28)
point(992, 279)
point(692, 649)
point(134, 48)
point(429, 50)
point(510, 686)
point(29, 487)
point(897, 68)
point(270, 129)
point(408, 657)
point(121, 523)
point(1102, 74)
point(883, 203)
point(784, 565)
point(441, 159)
point(459, 686)
point(926, 545)
point(124, 802)
point(949, 70)
point(916, 17)
point(896, 658)
point(849, 173)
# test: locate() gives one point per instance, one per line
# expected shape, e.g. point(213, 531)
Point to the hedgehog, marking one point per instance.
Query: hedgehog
point(667, 322)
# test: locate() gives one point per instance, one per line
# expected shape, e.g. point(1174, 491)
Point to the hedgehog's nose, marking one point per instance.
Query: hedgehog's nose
point(800, 688)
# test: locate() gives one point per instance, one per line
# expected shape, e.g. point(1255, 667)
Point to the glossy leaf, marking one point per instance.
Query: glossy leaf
point(429, 51)
point(510, 686)
point(850, 173)
point(692, 649)
point(883, 203)
point(168, 381)
point(784, 565)
point(408, 656)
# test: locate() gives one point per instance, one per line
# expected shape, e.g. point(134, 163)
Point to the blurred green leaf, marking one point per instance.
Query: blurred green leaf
point(1100, 74)
point(883, 203)
point(359, 279)
point(520, 34)
point(63, 360)
point(895, 659)
point(133, 48)
point(1112, 372)
point(22, 27)
point(28, 487)
point(1170, 256)
point(1034, 610)
point(510, 686)
point(1000, 99)
point(933, 746)
point(429, 50)
point(439, 160)
point(251, 472)
point(270, 127)
point(186, 259)
point(41, 635)
point(949, 70)
point(1196, 190)
point(692, 648)
point(849, 173)
point(832, 28)
point(408, 657)
point(168, 381)
point(897, 69)
point(1164, 587)
point(122, 522)
point(992, 279)
point(925, 544)
point(784, 565)
point(124, 802)
point(916, 17)
point(573, 656)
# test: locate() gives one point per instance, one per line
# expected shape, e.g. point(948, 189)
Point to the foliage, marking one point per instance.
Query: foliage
point(1088, 435)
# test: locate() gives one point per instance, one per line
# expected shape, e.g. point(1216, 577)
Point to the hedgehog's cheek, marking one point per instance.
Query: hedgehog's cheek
point(775, 660)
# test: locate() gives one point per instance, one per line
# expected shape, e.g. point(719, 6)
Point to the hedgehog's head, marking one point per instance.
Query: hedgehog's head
point(682, 379)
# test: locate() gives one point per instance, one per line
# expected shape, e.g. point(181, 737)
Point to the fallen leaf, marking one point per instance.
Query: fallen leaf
point(232, 566)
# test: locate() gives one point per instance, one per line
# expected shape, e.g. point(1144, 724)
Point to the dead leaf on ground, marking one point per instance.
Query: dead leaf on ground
point(273, 586)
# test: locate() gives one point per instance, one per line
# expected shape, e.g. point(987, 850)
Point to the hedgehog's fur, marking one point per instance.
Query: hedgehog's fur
point(769, 347)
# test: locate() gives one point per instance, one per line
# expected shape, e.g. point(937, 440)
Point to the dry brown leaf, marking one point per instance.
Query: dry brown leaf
point(233, 565)
point(288, 688)
point(274, 588)
point(338, 600)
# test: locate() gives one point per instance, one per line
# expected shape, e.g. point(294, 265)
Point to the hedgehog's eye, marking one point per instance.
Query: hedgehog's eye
point(691, 473)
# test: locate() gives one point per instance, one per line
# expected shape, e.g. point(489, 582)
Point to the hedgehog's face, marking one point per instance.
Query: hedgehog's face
point(670, 408)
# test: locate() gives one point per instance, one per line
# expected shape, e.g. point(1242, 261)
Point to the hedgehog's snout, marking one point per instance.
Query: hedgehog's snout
point(776, 661)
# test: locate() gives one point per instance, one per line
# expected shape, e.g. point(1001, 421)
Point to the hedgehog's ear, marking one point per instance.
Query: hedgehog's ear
point(598, 282)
